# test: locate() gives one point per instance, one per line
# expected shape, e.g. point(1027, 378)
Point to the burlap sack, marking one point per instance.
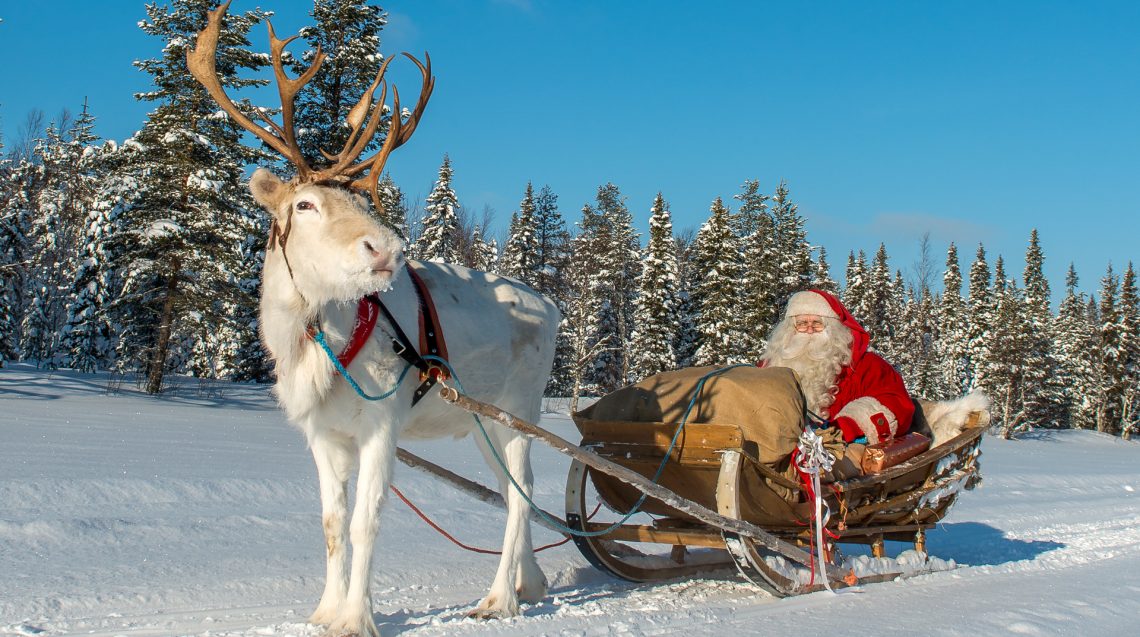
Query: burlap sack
point(765, 402)
point(768, 406)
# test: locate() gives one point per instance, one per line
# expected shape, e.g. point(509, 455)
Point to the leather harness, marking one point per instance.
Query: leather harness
point(432, 343)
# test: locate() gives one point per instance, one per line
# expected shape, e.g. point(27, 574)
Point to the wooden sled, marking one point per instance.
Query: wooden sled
point(715, 506)
point(712, 465)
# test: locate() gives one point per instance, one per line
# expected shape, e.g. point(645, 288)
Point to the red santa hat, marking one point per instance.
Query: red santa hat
point(810, 302)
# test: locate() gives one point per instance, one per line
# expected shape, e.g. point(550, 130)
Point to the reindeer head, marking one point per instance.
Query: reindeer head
point(332, 248)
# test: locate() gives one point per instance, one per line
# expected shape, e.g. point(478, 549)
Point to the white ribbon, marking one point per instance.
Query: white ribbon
point(813, 460)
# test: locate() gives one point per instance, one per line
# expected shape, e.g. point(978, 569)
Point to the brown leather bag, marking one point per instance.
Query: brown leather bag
point(887, 454)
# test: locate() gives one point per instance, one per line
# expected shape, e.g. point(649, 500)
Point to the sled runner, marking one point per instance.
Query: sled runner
point(714, 504)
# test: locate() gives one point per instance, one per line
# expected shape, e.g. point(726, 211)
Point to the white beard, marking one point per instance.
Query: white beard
point(815, 358)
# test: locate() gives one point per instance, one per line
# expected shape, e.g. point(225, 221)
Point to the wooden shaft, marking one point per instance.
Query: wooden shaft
point(636, 480)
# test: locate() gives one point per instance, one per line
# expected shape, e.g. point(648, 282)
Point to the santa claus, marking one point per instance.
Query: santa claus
point(843, 383)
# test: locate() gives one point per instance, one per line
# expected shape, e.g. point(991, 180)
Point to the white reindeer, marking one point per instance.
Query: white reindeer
point(326, 252)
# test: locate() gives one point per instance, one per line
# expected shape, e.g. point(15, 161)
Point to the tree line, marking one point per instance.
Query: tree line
point(143, 257)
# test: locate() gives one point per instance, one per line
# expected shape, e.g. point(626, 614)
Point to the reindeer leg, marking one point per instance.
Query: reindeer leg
point(518, 576)
point(530, 581)
point(376, 456)
point(334, 461)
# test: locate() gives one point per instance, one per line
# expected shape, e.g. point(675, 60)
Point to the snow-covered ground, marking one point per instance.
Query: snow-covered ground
point(197, 514)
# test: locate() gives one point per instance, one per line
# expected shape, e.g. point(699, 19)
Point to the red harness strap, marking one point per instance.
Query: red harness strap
point(366, 314)
point(431, 332)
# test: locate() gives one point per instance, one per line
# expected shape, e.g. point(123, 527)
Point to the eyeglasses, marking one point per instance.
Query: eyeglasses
point(809, 323)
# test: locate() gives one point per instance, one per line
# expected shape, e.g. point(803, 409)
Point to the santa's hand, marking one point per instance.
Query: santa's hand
point(851, 431)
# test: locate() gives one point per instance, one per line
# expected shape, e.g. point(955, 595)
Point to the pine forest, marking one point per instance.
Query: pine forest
point(142, 257)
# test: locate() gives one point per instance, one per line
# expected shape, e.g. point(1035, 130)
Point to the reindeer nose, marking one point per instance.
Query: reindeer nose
point(378, 259)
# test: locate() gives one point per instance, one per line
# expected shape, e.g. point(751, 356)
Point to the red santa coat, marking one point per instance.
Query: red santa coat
point(872, 400)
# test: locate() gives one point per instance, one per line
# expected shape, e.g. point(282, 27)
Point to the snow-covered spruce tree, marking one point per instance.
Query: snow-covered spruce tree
point(8, 266)
point(87, 338)
point(393, 206)
point(586, 329)
point(916, 342)
point(551, 263)
point(952, 332)
point(753, 213)
point(69, 172)
point(1044, 403)
point(552, 246)
point(348, 33)
point(1073, 335)
point(192, 212)
point(1005, 366)
point(616, 284)
point(17, 216)
point(857, 282)
point(520, 255)
point(655, 318)
point(979, 319)
point(602, 278)
point(897, 310)
point(821, 276)
point(794, 252)
point(1129, 311)
point(761, 280)
point(474, 250)
point(250, 361)
point(877, 310)
point(716, 275)
point(1110, 361)
point(440, 238)
point(484, 253)
point(686, 342)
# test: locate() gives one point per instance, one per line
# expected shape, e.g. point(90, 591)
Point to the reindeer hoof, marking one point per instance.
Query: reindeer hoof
point(492, 608)
point(533, 593)
point(353, 626)
point(486, 613)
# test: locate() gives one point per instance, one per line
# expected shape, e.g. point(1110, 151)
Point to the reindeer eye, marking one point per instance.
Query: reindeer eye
point(305, 204)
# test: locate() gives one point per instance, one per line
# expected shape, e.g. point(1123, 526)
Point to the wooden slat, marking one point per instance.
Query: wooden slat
point(702, 435)
point(627, 455)
point(698, 443)
point(645, 533)
point(872, 530)
point(907, 499)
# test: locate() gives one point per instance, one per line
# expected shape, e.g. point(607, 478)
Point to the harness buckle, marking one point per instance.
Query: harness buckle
point(398, 347)
point(434, 371)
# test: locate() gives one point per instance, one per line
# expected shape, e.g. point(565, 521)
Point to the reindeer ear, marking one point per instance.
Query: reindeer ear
point(268, 190)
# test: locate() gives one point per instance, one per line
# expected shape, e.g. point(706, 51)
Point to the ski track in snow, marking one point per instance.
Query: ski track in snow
point(191, 514)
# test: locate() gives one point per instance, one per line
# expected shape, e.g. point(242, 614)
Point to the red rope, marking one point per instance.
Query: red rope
point(449, 536)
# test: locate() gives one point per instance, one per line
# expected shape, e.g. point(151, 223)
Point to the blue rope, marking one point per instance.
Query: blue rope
point(319, 337)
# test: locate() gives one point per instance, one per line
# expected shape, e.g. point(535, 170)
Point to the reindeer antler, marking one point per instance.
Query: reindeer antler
point(202, 62)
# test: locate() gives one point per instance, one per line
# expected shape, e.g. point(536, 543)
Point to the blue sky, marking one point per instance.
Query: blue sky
point(973, 121)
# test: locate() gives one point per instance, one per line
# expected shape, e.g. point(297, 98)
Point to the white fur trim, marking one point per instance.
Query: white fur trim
point(809, 303)
point(862, 410)
point(946, 418)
